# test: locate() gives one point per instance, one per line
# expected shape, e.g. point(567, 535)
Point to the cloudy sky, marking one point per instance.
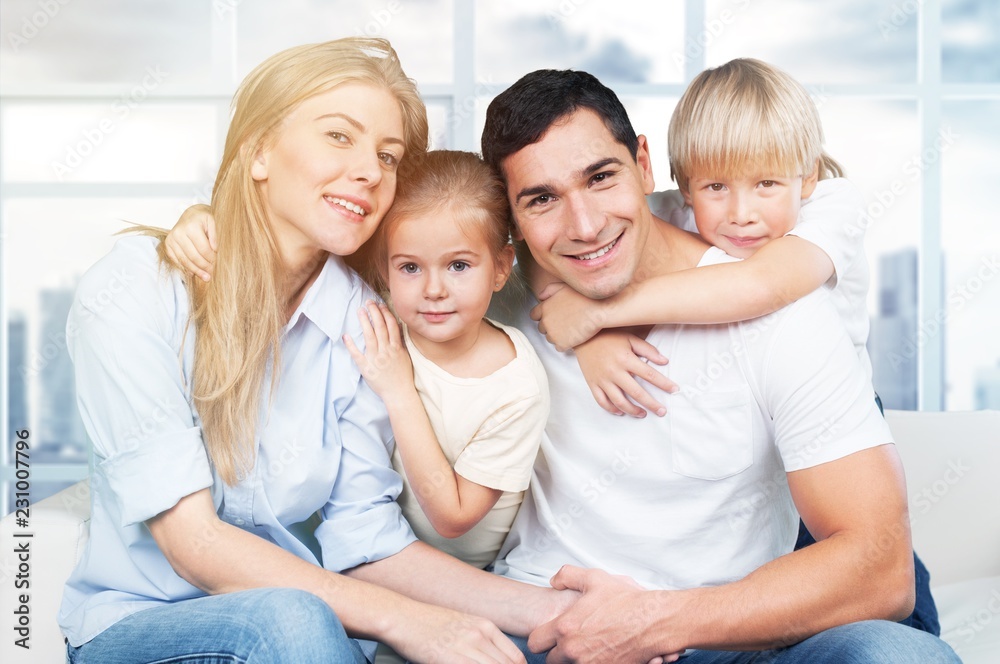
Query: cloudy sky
point(115, 110)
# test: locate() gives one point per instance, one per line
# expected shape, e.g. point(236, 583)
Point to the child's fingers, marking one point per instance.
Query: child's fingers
point(352, 348)
point(602, 400)
point(378, 323)
point(371, 341)
point(395, 336)
point(619, 396)
point(209, 224)
point(643, 348)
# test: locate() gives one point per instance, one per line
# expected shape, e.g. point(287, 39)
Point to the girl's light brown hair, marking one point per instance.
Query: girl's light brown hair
point(239, 315)
point(457, 186)
point(744, 117)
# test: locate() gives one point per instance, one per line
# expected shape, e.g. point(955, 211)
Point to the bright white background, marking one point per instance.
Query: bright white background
point(113, 110)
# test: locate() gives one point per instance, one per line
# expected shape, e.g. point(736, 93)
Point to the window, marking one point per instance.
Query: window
point(116, 111)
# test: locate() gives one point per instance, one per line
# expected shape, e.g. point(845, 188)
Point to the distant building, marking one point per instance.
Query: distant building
point(61, 437)
point(893, 342)
point(988, 388)
point(17, 384)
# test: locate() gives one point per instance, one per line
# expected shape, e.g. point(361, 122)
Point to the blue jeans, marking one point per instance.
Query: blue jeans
point(263, 626)
point(869, 642)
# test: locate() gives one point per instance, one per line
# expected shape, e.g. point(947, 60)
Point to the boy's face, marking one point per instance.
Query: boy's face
point(578, 199)
point(741, 214)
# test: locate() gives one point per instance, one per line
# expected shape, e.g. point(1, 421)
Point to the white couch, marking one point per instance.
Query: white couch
point(952, 463)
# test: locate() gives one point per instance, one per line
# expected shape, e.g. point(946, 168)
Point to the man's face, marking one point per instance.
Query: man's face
point(579, 203)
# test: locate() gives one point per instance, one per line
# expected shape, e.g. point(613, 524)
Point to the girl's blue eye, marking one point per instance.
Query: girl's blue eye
point(460, 266)
point(409, 268)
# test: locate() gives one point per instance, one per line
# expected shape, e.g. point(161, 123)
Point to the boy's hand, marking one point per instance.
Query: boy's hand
point(612, 361)
point(385, 364)
point(191, 244)
point(566, 318)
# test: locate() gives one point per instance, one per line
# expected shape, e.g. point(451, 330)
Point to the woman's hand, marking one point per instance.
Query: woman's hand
point(443, 635)
point(612, 361)
point(385, 364)
point(191, 244)
point(566, 318)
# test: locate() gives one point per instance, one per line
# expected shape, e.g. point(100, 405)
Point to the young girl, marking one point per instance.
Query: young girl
point(467, 398)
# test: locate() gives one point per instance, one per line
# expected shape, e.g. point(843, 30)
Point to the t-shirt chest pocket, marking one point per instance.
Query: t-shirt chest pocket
point(711, 434)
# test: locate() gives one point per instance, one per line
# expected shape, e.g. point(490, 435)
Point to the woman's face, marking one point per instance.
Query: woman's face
point(328, 176)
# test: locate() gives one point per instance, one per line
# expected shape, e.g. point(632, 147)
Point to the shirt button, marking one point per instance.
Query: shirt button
point(239, 522)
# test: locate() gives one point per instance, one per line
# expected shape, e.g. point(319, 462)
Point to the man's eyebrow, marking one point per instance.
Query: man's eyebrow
point(357, 125)
point(582, 173)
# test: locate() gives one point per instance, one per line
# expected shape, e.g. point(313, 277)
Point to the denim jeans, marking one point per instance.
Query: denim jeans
point(262, 626)
point(868, 642)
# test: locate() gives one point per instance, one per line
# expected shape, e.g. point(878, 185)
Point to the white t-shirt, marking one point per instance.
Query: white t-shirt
point(698, 497)
point(489, 430)
point(834, 219)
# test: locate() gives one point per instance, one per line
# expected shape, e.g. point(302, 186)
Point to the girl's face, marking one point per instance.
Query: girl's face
point(441, 279)
point(329, 175)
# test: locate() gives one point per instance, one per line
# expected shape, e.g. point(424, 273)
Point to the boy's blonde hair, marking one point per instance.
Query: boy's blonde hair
point(453, 184)
point(746, 116)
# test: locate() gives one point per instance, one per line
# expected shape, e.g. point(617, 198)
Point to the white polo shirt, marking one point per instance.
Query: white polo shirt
point(699, 497)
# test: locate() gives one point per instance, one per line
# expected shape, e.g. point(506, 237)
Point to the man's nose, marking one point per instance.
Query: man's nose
point(585, 223)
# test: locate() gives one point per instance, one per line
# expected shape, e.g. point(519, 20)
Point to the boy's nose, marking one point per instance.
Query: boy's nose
point(742, 212)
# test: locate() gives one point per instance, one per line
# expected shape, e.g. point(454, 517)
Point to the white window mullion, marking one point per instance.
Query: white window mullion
point(931, 329)
point(462, 120)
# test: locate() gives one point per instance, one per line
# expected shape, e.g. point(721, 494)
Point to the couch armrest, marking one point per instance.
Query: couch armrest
point(60, 528)
point(952, 463)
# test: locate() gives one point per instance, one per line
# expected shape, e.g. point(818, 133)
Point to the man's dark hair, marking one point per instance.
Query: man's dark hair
point(520, 115)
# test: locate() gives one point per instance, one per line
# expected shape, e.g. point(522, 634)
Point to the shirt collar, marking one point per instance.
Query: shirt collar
point(326, 300)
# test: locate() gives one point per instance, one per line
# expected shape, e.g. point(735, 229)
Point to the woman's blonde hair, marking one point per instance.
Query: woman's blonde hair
point(457, 185)
point(240, 314)
point(746, 116)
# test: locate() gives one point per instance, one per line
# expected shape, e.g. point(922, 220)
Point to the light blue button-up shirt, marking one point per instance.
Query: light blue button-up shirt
point(323, 442)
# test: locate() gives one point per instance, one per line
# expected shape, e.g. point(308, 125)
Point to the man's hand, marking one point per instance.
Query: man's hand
point(607, 624)
point(191, 243)
point(612, 361)
point(385, 364)
point(566, 318)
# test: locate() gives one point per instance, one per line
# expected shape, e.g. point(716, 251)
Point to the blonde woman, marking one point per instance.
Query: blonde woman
point(225, 415)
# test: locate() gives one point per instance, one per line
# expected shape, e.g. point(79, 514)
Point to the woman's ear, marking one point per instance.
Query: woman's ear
point(258, 167)
point(505, 264)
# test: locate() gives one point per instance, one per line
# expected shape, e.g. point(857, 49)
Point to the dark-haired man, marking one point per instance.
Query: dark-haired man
point(700, 507)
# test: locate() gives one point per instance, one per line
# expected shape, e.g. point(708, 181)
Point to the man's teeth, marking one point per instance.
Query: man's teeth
point(599, 252)
point(356, 209)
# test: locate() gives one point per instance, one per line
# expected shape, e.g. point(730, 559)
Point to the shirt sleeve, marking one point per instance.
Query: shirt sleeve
point(670, 206)
point(125, 345)
point(821, 401)
point(834, 218)
point(361, 522)
point(503, 452)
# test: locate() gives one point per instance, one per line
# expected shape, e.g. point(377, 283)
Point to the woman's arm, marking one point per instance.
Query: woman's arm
point(220, 558)
point(452, 503)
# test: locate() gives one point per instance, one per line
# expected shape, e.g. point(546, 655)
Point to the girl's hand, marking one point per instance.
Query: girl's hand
point(566, 318)
point(191, 244)
point(385, 364)
point(612, 361)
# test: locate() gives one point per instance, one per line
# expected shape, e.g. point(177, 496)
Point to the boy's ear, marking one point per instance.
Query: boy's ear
point(686, 193)
point(809, 182)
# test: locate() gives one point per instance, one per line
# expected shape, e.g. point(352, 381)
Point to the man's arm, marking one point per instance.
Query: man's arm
point(861, 569)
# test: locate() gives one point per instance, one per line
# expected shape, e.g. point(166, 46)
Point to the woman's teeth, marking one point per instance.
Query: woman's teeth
point(356, 209)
